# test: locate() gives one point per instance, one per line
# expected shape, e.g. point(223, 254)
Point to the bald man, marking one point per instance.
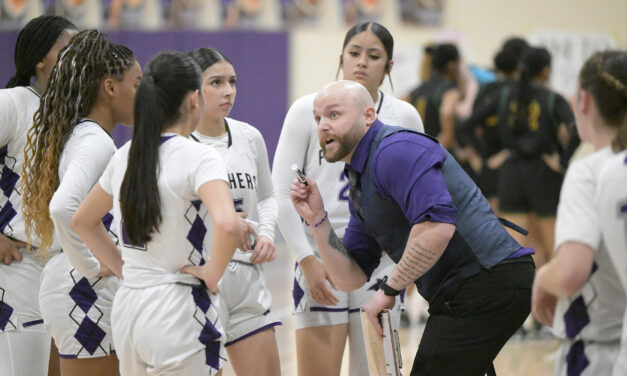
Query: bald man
point(410, 198)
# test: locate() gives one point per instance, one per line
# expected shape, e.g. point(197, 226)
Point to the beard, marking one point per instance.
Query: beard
point(345, 144)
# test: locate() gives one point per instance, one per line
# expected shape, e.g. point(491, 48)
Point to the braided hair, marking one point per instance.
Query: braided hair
point(604, 76)
point(33, 43)
point(72, 92)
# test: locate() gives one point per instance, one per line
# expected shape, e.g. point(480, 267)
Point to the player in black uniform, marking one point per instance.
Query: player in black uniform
point(437, 98)
point(536, 128)
point(488, 145)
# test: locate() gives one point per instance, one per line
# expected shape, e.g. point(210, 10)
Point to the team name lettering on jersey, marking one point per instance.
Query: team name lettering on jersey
point(242, 180)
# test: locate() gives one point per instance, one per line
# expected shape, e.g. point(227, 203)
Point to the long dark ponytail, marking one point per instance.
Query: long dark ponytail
point(32, 45)
point(169, 77)
point(533, 61)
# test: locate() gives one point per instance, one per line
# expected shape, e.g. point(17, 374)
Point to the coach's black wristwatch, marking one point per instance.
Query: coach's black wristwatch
point(387, 290)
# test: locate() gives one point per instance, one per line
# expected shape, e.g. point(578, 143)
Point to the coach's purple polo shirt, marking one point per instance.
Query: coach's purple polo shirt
point(407, 170)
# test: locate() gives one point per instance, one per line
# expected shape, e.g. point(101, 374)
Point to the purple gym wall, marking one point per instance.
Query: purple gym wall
point(260, 60)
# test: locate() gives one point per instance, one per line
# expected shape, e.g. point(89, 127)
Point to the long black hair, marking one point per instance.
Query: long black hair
point(534, 60)
point(380, 32)
point(604, 76)
point(32, 45)
point(169, 77)
point(206, 57)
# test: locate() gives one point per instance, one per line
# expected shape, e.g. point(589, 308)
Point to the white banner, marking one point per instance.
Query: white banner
point(569, 50)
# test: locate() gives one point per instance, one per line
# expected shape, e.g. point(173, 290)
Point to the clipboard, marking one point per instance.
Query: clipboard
point(384, 354)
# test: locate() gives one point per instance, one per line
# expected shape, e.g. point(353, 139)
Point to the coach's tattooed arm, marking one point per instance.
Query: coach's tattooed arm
point(344, 271)
point(336, 243)
point(427, 241)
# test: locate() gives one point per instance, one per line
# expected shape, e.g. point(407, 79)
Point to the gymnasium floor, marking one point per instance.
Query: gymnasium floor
point(520, 357)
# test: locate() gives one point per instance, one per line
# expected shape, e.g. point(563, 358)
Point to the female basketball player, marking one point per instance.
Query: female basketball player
point(24, 342)
point(536, 129)
point(165, 322)
point(251, 344)
point(89, 91)
point(325, 316)
point(437, 98)
point(581, 276)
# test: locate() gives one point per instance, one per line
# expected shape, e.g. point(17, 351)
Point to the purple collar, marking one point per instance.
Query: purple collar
point(165, 138)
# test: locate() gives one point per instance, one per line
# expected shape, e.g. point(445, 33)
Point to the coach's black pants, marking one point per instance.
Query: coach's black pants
point(471, 320)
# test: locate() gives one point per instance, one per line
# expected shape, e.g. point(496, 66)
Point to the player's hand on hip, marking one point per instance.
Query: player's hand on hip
point(543, 305)
point(307, 200)
point(375, 305)
point(9, 250)
point(208, 273)
point(318, 281)
point(264, 250)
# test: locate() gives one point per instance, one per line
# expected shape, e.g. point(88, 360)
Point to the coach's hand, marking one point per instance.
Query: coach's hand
point(307, 200)
point(375, 305)
point(264, 250)
point(9, 251)
point(317, 278)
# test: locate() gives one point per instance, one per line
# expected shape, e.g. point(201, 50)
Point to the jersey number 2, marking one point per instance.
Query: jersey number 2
point(344, 191)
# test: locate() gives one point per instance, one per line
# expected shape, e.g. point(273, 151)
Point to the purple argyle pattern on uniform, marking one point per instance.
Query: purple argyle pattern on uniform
point(576, 359)
point(7, 213)
point(5, 313)
point(89, 335)
point(8, 181)
point(212, 354)
point(576, 317)
point(197, 233)
point(83, 294)
point(107, 220)
point(209, 336)
point(297, 293)
point(197, 204)
point(201, 298)
point(623, 209)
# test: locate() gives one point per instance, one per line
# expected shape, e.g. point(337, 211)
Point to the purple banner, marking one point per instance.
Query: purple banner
point(260, 60)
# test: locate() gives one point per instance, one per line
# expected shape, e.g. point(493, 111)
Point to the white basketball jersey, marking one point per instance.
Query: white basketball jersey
point(298, 144)
point(85, 156)
point(184, 166)
point(246, 158)
point(596, 312)
point(17, 107)
point(611, 204)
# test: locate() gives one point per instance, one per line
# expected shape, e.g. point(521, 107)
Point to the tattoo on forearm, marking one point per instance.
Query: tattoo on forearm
point(416, 261)
point(336, 243)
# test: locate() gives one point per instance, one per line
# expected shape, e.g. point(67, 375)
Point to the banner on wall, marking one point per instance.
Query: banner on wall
point(422, 12)
point(569, 50)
